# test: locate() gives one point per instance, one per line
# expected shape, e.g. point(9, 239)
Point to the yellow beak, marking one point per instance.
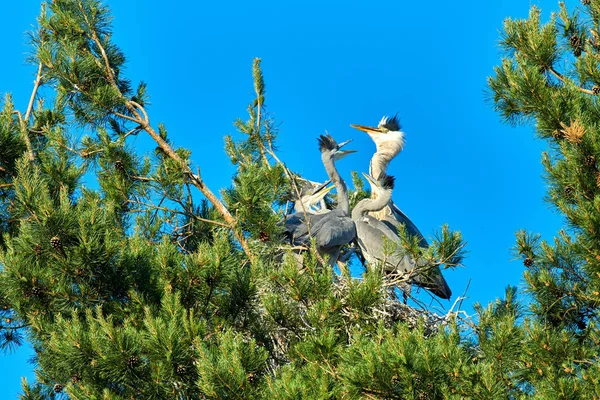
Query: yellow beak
point(367, 129)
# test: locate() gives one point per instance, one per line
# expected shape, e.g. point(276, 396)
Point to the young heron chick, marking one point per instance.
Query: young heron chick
point(333, 229)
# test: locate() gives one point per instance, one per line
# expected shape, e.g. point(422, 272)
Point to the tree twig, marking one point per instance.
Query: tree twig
point(25, 120)
point(561, 78)
point(194, 179)
point(140, 117)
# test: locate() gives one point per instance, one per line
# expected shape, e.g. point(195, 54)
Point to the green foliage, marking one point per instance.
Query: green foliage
point(229, 366)
point(138, 288)
point(550, 75)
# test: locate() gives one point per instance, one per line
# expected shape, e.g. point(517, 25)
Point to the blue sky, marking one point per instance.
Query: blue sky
point(327, 65)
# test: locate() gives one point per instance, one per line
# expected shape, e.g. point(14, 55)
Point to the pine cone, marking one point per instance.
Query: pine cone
point(133, 361)
point(263, 237)
point(557, 134)
point(56, 243)
point(58, 388)
point(569, 191)
point(596, 89)
point(528, 262)
point(590, 161)
point(575, 41)
point(76, 379)
point(37, 248)
point(119, 166)
point(395, 380)
point(36, 291)
point(194, 281)
point(586, 2)
point(251, 378)
point(180, 369)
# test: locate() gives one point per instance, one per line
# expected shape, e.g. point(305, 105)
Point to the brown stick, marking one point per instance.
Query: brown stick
point(561, 78)
point(135, 110)
point(194, 179)
point(25, 120)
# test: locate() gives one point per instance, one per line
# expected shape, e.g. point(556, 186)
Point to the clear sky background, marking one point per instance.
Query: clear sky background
point(328, 64)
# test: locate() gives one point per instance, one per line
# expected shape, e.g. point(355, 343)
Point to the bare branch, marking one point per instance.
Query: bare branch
point(560, 77)
point(25, 120)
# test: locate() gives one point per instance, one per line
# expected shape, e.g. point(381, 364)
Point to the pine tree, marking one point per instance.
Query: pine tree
point(550, 77)
point(153, 287)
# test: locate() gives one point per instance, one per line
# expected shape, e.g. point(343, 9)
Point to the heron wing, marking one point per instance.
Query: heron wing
point(333, 229)
point(372, 235)
point(330, 229)
point(398, 218)
point(432, 279)
point(296, 229)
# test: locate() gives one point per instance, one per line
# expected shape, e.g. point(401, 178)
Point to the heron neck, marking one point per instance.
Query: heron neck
point(366, 205)
point(342, 191)
point(379, 164)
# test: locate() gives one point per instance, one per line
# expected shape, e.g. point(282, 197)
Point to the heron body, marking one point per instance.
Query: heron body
point(389, 141)
point(305, 207)
point(372, 234)
point(374, 237)
point(332, 229)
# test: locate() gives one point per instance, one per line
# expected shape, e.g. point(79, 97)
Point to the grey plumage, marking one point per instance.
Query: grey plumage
point(331, 230)
point(389, 142)
point(373, 236)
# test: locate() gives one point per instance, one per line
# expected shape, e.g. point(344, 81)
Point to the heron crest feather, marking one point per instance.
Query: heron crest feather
point(326, 142)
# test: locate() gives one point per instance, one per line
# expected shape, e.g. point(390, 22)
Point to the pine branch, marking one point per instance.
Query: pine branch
point(561, 78)
point(25, 120)
point(194, 179)
point(140, 117)
point(109, 71)
point(166, 209)
point(259, 89)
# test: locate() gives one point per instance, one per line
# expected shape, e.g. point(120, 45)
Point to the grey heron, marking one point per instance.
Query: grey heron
point(333, 229)
point(311, 194)
point(389, 141)
point(303, 206)
point(373, 235)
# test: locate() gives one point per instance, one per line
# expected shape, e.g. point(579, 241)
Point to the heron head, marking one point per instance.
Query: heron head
point(388, 130)
point(381, 185)
point(386, 125)
point(328, 144)
point(314, 197)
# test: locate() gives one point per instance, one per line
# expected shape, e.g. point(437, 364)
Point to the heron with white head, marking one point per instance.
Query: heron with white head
point(333, 229)
point(373, 236)
point(389, 142)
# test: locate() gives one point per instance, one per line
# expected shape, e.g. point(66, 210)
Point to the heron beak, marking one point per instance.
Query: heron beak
point(344, 143)
point(371, 180)
point(321, 192)
point(368, 129)
point(339, 154)
point(343, 153)
point(322, 187)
